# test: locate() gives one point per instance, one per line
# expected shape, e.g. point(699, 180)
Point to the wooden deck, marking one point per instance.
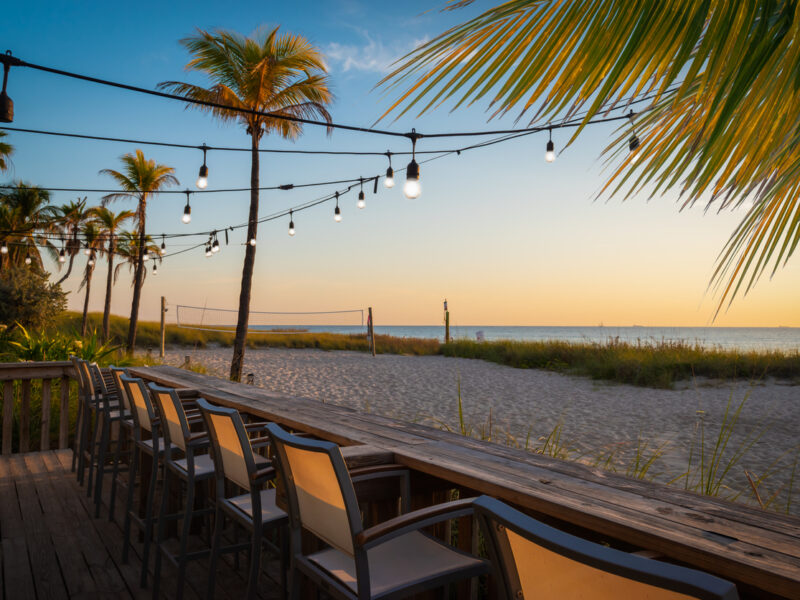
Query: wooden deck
point(52, 547)
point(758, 550)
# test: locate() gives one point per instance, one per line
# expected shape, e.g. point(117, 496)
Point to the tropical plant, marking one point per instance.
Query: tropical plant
point(139, 179)
point(128, 251)
point(93, 237)
point(6, 150)
point(69, 219)
point(283, 75)
point(109, 223)
point(58, 345)
point(722, 77)
point(25, 213)
point(27, 298)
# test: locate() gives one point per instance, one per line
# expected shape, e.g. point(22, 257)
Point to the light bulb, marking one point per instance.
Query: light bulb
point(252, 241)
point(62, 256)
point(550, 155)
point(208, 251)
point(155, 269)
point(146, 255)
point(389, 181)
point(412, 188)
point(91, 261)
point(187, 210)
point(337, 214)
point(215, 247)
point(361, 202)
point(633, 146)
point(202, 178)
point(4, 249)
point(163, 248)
point(291, 228)
point(87, 251)
point(27, 260)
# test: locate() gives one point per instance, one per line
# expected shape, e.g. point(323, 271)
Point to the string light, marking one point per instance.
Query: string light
point(252, 241)
point(91, 260)
point(633, 142)
point(163, 245)
point(28, 260)
point(412, 188)
point(6, 103)
point(87, 251)
point(187, 210)
point(361, 201)
point(155, 269)
point(389, 181)
point(4, 248)
point(215, 244)
point(202, 178)
point(62, 256)
point(337, 213)
point(550, 153)
point(291, 223)
point(146, 255)
point(208, 250)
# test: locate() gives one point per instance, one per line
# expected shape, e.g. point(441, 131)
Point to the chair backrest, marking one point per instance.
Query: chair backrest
point(116, 374)
point(174, 425)
point(233, 455)
point(82, 387)
point(143, 412)
point(318, 486)
point(534, 560)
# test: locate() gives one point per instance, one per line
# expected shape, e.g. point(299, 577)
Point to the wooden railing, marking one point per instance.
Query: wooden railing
point(19, 381)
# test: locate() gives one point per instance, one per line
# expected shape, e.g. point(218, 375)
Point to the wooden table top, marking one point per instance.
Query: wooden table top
point(738, 542)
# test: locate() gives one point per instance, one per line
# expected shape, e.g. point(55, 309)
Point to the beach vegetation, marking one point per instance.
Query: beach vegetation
point(27, 298)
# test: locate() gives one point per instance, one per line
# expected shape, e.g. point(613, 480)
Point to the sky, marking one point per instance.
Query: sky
point(507, 238)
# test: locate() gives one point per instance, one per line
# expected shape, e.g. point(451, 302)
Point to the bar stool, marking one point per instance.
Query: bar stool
point(193, 468)
point(125, 436)
point(255, 510)
point(81, 437)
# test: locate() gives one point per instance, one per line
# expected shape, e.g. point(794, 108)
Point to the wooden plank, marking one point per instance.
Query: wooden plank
point(16, 567)
point(25, 417)
point(366, 456)
point(8, 415)
point(63, 416)
point(38, 370)
point(44, 441)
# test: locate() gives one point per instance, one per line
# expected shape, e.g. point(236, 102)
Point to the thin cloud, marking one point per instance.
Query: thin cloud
point(372, 56)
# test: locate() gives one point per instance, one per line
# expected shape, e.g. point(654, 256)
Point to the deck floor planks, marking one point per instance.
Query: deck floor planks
point(17, 574)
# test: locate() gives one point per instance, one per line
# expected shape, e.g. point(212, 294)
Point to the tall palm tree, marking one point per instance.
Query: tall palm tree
point(93, 237)
point(280, 74)
point(25, 213)
point(69, 219)
point(128, 252)
point(6, 150)
point(139, 179)
point(722, 126)
point(109, 223)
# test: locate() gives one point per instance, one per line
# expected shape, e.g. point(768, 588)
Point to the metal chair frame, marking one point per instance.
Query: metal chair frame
point(362, 540)
point(257, 478)
point(497, 518)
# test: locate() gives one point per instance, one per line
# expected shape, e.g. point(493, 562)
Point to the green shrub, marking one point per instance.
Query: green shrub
point(28, 299)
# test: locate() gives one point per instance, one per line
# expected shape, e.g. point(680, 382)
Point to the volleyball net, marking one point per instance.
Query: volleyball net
point(223, 320)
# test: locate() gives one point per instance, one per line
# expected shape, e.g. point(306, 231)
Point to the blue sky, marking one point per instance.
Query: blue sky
point(507, 238)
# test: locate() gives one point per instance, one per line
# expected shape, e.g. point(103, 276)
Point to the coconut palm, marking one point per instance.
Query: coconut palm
point(139, 179)
point(6, 150)
point(280, 74)
point(109, 223)
point(25, 214)
point(128, 253)
point(69, 219)
point(724, 115)
point(93, 237)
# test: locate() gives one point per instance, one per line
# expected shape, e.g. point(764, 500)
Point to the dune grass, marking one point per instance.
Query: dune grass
point(649, 364)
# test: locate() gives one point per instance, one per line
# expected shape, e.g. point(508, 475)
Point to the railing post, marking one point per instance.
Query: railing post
point(25, 417)
point(63, 423)
point(163, 325)
point(8, 415)
point(44, 442)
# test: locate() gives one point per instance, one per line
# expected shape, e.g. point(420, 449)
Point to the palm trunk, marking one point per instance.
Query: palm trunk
point(138, 277)
point(72, 252)
point(69, 269)
point(237, 363)
point(109, 284)
point(84, 321)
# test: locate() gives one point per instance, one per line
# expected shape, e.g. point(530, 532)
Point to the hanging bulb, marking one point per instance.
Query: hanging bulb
point(361, 201)
point(28, 260)
point(215, 246)
point(337, 213)
point(208, 251)
point(6, 104)
point(550, 153)
point(163, 246)
point(91, 260)
point(62, 256)
point(291, 224)
point(202, 178)
point(4, 249)
point(187, 210)
point(389, 181)
point(87, 251)
point(633, 142)
point(412, 188)
point(146, 255)
point(155, 269)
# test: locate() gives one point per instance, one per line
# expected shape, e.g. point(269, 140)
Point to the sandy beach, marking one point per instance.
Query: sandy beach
point(526, 404)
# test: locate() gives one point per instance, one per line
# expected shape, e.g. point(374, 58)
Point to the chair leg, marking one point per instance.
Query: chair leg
point(78, 432)
point(115, 472)
point(162, 513)
point(83, 444)
point(255, 559)
point(93, 451)
point(187, 524)
point(99, 473)
point(295, 581)
point(132, 473)
point(148, 519)
point(283, 535)
point(219, 524)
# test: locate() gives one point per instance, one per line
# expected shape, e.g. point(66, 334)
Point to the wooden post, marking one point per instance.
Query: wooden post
point(25, 417)
point(8, 415)
point(371, 332)
point(44, 439)
point(63, 418)
point(447, 327)
point(163, 325)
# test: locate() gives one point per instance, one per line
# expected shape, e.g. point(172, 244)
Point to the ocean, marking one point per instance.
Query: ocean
point(740, 338)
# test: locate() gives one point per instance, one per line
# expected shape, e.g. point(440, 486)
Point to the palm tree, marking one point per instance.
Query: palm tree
point(93, 236)
point(724, 115)
point(25, 213)
point(6, 150)
point(140, 178)
point(109, 223)
point(283, 75)
point(69, 219)
point(128, 251)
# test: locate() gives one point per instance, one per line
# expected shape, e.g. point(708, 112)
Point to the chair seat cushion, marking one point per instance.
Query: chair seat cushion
point(203, 466)
point(147, 446)
point(269, 510)
point(409, 559)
